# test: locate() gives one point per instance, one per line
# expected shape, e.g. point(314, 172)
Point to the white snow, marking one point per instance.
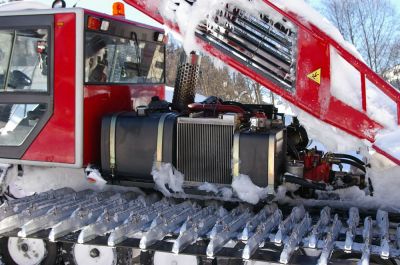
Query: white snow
point(37, 179)
point(21, 5)
point(389, 141)
point(208, 187)
point(40, 179)
point(226, 193)
point(380, 107)
point(247, 191)
point(345, 81)
point(165, 174)
point(169, 94)
point(94, 176)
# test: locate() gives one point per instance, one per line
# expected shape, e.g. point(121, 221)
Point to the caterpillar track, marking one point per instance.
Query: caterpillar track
point(270, 233)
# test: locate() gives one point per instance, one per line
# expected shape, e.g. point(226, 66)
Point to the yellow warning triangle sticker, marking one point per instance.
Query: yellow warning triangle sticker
point(315, 76)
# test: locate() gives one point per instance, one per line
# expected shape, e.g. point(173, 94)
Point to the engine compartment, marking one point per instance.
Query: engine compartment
point(217, 142)
point(214, 141)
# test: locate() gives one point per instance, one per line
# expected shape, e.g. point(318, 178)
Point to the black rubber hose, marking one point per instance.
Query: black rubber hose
point(350, 162)
point(355, 159)
point(304, 183)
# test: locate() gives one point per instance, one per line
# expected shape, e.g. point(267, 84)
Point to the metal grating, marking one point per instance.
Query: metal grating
point(264, 43)
point(204, 149)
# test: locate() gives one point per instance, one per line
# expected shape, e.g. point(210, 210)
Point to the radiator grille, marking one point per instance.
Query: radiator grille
point(204, 149)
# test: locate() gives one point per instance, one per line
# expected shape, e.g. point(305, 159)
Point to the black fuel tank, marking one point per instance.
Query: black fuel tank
point(129, 143)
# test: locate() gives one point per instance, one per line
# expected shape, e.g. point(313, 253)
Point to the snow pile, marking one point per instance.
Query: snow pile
point(380, 107)
point(94, 176)
point(242, 187)
point(208, 187)
point(34, 178)
point(167, 177)
point(345, 81)
point(389, 141)
point(226, 193)
point(247, 191)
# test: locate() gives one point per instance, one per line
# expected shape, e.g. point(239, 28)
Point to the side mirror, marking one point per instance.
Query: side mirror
point(19, 80)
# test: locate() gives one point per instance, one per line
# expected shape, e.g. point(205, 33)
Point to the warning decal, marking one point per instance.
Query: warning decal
point(315, 76)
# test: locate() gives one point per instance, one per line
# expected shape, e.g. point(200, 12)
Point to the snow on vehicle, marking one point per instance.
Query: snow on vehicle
point(82, 89)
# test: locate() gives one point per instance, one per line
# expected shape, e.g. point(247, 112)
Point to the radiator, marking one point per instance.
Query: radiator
point(204, 149)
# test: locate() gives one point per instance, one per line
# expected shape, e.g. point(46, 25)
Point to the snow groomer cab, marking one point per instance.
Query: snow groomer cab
point(61, 71)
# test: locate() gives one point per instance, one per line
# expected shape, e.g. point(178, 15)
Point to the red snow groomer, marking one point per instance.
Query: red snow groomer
point(80, 89)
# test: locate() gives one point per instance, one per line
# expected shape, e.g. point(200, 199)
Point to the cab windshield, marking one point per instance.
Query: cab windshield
point(23, 60)
point(112, 59)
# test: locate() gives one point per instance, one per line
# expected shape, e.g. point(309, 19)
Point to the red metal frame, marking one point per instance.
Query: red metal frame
point(313, 53)
point(56, 141)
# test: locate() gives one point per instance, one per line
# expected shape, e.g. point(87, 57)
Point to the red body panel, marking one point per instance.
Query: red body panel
point(56, 142)
point(100, 100)
point(313, 53)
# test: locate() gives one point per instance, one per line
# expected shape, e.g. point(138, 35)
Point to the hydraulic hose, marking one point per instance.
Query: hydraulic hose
point(350, 157)
point(304, 183)
point(351, 162)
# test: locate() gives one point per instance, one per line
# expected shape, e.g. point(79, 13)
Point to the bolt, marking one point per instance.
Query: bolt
point(24, 247)
point(94, 253)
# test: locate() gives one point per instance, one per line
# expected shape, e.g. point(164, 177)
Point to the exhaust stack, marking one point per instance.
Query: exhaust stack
point(186, 81)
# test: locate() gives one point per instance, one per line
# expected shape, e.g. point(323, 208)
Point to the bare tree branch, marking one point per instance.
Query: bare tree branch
point(371, 26)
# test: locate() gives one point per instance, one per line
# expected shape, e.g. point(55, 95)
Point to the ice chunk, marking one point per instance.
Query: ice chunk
point(165, 174)
point(208, 187)
point(247, 191)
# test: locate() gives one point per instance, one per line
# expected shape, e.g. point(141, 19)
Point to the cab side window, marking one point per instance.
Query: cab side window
point(23, 60)
point(23, 68)
point(112, 59)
